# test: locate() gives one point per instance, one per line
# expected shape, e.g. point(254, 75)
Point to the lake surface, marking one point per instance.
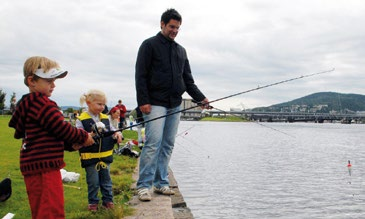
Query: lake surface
point(271, 170)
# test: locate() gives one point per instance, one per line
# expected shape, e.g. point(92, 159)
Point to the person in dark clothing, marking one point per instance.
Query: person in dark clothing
point(106, 110)
point(162, 75)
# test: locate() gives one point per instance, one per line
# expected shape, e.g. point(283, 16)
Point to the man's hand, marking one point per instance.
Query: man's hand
point(146, 109)
point(204, 104)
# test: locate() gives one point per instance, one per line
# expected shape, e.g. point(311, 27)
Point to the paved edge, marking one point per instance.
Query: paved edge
point(161, 206)
point(178, 204)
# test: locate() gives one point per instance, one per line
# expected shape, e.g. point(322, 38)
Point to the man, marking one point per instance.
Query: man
point(162, 75)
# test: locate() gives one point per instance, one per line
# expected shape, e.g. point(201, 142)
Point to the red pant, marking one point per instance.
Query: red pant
point(45, 194)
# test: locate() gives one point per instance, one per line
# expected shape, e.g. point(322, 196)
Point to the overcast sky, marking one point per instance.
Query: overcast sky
point(233, 46)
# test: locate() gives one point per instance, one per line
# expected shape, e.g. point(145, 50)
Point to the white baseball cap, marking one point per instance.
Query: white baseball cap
point(52, 73)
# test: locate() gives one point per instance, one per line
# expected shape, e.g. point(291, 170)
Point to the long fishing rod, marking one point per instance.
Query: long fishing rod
point(207, 105)
point(273, 84)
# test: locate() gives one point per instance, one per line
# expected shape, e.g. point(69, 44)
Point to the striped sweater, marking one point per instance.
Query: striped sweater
point(38, 121)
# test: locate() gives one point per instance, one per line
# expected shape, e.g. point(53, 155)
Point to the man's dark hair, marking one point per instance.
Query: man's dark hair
point(170, 14)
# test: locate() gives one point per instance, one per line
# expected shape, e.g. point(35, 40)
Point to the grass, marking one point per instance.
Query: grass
point(75, 193)
point(228, 118)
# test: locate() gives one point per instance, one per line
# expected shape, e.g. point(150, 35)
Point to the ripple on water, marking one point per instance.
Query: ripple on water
point(243, 170)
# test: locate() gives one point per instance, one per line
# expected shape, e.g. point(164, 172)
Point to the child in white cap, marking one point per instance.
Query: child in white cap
point(45, 135)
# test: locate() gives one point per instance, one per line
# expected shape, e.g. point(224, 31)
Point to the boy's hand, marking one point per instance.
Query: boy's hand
point(89, 141)
point(76, 147)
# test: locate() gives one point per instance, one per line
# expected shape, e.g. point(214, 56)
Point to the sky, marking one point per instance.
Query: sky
point(233, 46)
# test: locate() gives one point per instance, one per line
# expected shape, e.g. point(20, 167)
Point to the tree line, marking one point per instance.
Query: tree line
point(12, 101)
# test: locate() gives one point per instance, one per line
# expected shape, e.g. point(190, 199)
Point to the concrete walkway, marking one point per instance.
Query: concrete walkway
point(161, 206)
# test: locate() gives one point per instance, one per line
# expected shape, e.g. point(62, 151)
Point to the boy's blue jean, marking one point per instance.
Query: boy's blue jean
point(99, 179)
point(157, 150)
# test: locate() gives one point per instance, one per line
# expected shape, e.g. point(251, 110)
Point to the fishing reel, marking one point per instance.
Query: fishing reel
point(203, 105)
point(99, 131)
point(96, 132)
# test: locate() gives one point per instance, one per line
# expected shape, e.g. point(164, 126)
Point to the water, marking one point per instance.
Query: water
point(273, 170)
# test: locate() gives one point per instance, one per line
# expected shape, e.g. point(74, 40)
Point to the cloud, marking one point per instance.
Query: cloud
point(232, 46)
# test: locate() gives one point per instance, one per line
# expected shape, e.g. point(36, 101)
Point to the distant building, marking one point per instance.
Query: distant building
point(360, 113)
point(194, 112)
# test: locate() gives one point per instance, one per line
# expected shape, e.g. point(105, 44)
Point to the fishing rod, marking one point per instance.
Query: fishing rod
point(207, 105)
point(273, 84)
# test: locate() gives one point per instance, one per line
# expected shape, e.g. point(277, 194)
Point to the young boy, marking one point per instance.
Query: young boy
point(45, 134)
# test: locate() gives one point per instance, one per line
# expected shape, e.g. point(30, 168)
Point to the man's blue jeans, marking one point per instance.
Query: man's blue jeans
point(157, 150)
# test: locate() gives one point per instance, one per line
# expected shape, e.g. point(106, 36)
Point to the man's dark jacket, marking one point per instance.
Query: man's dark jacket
point(163, 73)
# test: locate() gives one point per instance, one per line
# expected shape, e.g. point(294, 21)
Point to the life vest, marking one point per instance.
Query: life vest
point(102, 150)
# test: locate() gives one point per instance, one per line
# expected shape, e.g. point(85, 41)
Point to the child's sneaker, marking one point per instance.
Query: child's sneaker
point(108, 205)
point(93, 207)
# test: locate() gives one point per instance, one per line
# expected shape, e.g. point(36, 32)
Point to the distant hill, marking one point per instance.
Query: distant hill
point(320, 102)
point(64, 108)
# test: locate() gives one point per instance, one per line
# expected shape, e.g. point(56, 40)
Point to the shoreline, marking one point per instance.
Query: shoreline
point(161, 206)
point(179, 206)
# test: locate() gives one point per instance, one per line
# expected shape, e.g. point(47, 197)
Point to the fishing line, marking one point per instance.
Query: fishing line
point(350, 180)
point(185, 132)
point(70, 186)
point(352, 188)
point(231, 163)
point(207, 105)
point(258, 123)
point(182, 135)
point(355, 184)
point(349, 168)
point(187, 150)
